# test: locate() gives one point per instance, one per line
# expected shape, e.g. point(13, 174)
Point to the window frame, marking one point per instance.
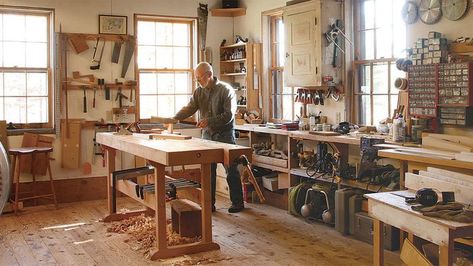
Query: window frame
point(49, 69)
point(192, 21)
point(359, 63)
point(273, 18)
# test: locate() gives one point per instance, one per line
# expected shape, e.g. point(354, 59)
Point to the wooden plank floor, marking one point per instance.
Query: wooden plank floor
point(72, 235)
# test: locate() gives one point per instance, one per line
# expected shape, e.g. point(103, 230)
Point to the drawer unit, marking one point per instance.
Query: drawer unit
point(455, 85)
point(422, 90)
point(457, 116)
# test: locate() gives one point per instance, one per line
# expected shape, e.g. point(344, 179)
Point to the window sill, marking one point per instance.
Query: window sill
point(21, 131)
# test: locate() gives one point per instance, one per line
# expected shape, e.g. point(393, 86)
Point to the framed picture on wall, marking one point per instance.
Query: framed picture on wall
point(109, 24)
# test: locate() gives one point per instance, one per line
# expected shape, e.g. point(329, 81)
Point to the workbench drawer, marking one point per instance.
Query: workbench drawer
point(269, 161)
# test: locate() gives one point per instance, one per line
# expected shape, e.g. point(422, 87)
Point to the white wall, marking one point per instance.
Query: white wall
point(451, 30)
point(82, 17)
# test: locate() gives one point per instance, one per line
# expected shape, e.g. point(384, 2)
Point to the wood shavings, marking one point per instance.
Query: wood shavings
point(142, 230)
point(200, 261)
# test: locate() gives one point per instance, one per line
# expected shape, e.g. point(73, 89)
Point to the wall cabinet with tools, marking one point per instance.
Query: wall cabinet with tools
point(94, 86)
point(309, 26)
point(240, 66)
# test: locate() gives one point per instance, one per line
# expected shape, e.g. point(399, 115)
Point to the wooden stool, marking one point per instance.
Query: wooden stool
point(16, 170)
point(186, 218)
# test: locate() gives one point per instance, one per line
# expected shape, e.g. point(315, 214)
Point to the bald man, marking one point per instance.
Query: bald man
point(216, 103)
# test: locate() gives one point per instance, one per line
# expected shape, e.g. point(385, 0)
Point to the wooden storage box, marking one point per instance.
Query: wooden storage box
point(270, 160)
point(364, 231)
point(186, 218)
point(270, 183)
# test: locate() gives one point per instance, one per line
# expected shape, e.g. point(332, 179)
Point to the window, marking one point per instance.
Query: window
point(282, 102)
point(166, 54)
point(380, 39)
point(25, 67)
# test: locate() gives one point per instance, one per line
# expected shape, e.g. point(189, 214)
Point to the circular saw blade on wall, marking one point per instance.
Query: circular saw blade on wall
point(410, 12)
point(454, 9)
point(430, 11)
point(4, 178)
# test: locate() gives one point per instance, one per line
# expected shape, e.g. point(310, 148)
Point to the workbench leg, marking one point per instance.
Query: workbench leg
point(403, 168)
point(378, 245)
point(160, 188)
point(206, 202)
point(446, 253)
point(110, 153)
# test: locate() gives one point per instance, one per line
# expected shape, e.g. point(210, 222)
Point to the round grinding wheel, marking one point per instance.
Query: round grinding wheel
point(454, 9)
point(4, 178)
point(410, 12)
point(430, 11)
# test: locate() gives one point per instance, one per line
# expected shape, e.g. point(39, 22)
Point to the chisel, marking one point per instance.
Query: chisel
point(85, 99)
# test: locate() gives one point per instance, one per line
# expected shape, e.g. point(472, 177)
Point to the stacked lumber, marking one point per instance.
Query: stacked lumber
point(447, 142)
point(443, 180)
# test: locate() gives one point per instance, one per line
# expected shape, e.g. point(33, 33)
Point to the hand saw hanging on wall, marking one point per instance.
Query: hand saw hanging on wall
point(203, 13)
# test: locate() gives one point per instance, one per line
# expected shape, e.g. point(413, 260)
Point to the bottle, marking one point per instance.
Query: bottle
point(399, 129)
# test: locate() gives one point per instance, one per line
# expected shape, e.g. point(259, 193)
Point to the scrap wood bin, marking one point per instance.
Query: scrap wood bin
point(186, 218)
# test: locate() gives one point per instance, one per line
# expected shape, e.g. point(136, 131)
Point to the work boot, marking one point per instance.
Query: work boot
point(236, 208)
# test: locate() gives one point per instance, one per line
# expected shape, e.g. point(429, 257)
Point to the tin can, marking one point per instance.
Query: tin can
point(416, 133)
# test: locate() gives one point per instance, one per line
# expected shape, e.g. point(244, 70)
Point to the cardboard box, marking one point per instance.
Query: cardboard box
point(270, 183)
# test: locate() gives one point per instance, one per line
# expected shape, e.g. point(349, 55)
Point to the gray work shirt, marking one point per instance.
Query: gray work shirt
point(217, 104)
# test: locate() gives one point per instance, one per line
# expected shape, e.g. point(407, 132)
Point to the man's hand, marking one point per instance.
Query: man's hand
point(203, 123)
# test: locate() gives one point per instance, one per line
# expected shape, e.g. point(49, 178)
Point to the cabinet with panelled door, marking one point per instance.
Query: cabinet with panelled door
point(309, 56)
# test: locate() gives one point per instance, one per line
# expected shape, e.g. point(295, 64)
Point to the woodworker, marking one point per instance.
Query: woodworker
point(216, 103)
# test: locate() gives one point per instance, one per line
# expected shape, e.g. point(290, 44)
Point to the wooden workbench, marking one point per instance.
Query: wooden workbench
point(391, 209)
point(162, 153)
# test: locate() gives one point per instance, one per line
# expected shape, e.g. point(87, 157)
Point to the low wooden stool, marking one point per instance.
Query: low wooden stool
point(16, 169)
point(186, 218)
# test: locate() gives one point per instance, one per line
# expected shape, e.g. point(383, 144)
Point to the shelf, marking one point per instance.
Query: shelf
point(97, 87)
point(233, 74)
point(228, 12)
point(103, 37)
point(272, 167)
point(461, 47)
point(303, 173)
point(243, 106)
point(453, 105)
point(365, 186)
point(234, 60)
point(238, 44)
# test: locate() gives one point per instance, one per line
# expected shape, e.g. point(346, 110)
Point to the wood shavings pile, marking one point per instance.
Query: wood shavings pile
point(142, 230)
point(199, 261)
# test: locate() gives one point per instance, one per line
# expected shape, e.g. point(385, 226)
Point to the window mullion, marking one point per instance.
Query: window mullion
point(389, 89)
point(371, 94)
